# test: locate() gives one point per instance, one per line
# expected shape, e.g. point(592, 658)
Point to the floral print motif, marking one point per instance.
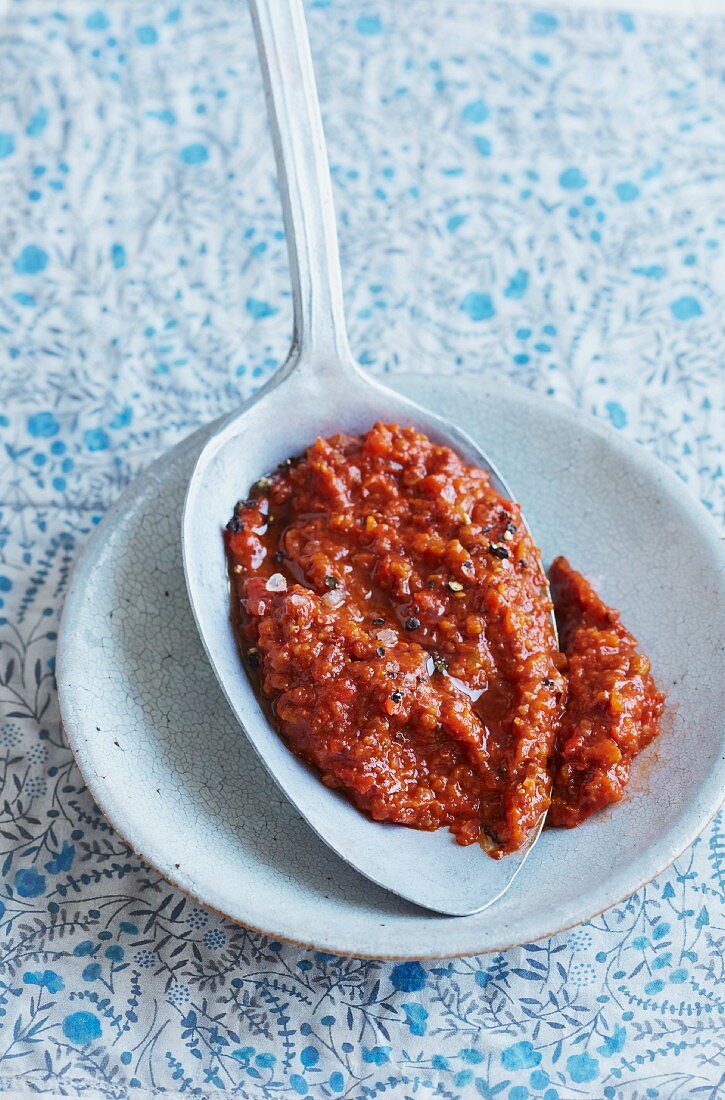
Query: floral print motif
point(498, 211)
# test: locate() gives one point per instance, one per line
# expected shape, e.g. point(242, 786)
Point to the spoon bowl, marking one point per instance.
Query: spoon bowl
point(320, 391)
point(427, 868)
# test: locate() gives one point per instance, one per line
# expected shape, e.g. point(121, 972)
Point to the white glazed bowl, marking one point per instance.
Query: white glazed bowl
point(168, 764)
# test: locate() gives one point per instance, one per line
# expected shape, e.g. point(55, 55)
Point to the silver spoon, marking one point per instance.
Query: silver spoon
point(319, 391)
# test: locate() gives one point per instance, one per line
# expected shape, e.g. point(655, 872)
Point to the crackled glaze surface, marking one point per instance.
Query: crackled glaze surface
point(178, 779)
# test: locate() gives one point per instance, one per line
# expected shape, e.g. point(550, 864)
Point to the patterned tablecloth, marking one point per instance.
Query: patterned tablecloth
point(534, 194)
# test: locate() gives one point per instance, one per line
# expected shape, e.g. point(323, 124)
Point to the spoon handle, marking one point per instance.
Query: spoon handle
point(304, 179)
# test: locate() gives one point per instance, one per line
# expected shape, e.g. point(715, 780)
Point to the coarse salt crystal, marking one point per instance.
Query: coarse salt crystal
point(276, 583)
point(334, 598)
point(387, 637)
point(296, 599)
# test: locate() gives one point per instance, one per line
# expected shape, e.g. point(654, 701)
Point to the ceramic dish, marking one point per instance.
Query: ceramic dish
point(166, 761)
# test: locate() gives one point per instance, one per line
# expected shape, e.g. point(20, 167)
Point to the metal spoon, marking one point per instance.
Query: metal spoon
point(319, 391)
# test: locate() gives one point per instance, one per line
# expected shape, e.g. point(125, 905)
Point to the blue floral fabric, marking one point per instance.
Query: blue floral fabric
point(534, 194)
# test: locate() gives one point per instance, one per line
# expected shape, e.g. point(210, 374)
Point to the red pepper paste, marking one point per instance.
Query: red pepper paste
point(394, 609)
point(613, 708)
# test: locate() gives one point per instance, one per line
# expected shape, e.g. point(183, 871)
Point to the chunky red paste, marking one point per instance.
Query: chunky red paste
point(613, 709)
point(396, 615)
point(395, 609)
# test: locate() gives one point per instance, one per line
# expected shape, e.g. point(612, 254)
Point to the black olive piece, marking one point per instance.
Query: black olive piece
point(378, 621)
point(253, 659)
point(397, 696)
point(412, 623)
point(235, 525)
point(498, 551)
point(380, 651)
point(332, 582)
